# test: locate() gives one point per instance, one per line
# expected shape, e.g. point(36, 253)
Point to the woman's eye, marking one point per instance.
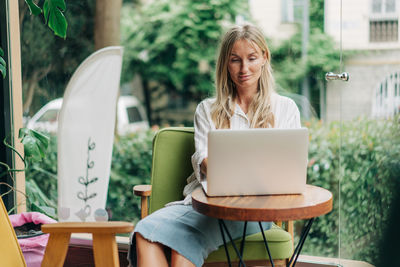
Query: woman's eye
point(252, 58)
point(235, 60)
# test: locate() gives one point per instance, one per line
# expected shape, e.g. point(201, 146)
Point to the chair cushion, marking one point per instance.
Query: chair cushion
point(279, 243)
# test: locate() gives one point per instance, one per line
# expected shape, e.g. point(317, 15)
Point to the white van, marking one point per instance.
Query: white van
point(131, 116)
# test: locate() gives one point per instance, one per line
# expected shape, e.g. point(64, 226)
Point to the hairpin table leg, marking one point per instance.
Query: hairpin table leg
point(224, 228)
point(299, 246)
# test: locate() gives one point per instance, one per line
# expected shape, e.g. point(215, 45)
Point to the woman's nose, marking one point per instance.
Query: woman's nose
point(244, 67)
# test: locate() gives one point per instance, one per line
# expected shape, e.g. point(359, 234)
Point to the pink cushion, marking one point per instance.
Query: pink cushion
point(33, 248)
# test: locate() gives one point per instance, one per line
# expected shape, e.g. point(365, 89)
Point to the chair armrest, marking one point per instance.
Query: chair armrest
point(143, 191)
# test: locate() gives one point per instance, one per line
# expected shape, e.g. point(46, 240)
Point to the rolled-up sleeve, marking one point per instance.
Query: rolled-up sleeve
point(202, 125)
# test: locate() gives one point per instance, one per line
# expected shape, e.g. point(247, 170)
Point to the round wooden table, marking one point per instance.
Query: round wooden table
point(313, 202)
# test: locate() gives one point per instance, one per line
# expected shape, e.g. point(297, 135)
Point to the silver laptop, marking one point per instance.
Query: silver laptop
point(256, 162)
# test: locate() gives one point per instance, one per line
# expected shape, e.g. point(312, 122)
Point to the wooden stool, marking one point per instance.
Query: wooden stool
point(105, 248)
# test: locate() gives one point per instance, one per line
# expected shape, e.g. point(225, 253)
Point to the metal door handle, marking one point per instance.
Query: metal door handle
point(344, 76)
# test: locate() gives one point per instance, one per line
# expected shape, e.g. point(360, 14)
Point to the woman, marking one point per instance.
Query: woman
point(245, 99)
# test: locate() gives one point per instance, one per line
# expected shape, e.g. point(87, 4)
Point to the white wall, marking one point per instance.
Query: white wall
point(267, 15)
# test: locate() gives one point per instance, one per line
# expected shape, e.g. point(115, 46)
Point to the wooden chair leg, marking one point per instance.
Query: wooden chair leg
point(56, 250)
point(143, 207)
point(105, 250)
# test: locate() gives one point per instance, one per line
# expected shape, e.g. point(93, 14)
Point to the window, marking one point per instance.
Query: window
point(390, 6)
point(386, 98)
point(383, 31)
point(49, 116)
point(383, 6)
point(134, 115)
point(384, 21)
point(376, 6)
point(292, 10)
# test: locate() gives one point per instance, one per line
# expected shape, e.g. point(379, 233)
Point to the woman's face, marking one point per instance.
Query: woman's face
point(245, 63)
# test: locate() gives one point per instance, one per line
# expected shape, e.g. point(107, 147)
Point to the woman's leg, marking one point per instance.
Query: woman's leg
point(177, 260)
point(149, 253)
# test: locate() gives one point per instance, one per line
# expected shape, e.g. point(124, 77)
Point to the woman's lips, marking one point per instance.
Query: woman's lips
point(244, 77)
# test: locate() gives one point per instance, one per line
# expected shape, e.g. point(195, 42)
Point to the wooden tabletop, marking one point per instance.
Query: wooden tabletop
point(315, 201)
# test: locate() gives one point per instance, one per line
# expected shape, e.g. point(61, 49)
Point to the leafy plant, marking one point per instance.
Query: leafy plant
point(35, 146)
point(53, 15)
point(44, 78)
point(172, 45)
point(290, 68)
point(131, 165)
point(361, 156)
point(41, 181)
point(3, 64)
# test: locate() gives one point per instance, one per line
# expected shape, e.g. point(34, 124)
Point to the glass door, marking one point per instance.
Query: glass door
point(363, 114)
point(339, 61)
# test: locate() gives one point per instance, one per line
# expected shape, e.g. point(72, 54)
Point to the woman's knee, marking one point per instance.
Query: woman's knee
point(149, 253)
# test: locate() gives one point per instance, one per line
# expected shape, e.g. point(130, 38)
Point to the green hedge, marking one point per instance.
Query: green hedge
point(131, 165)
point(369, 167)
point(369, 164)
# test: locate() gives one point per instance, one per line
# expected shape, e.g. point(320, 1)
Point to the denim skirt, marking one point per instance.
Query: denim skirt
point(191, 234)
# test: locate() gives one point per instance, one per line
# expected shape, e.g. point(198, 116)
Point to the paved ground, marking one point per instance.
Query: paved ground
point(311, 261)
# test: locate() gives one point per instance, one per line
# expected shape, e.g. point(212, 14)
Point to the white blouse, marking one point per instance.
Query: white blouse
point(285, 112)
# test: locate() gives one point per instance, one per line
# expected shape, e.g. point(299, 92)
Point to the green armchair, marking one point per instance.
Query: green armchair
point(171, 165)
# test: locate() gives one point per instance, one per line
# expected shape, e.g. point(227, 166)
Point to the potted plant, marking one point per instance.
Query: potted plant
point(27, 225)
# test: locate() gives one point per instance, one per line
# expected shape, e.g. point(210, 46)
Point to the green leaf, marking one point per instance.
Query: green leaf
point(3, 64)
point(35, 9)
point(42, 141)
point(31, 149)
point(43, 209)
point(3, 70)
point(35, 144)
point(2, 61)
point(54, 17)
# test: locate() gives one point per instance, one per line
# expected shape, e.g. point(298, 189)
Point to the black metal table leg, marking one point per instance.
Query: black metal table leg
point(292, 260)
point(299, 246)
point(223, 239)
point(243, 241)
point(222, 228)
point(266, 244)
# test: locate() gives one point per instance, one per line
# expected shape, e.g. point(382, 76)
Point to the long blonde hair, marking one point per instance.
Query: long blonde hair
point(259, 114)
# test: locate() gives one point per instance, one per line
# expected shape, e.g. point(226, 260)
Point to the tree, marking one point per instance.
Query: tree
point(322, 57)
point(172, 46)
point(107, 23)
point(48, 61)
point(289, 69)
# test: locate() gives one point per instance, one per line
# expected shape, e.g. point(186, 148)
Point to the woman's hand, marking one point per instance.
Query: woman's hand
point(203, 167)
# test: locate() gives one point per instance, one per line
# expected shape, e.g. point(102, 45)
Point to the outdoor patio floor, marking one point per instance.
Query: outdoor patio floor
point(80, 254)
point(312, 261)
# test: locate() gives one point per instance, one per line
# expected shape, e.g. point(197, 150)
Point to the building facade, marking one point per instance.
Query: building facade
point(370, 30)
point(366, 28)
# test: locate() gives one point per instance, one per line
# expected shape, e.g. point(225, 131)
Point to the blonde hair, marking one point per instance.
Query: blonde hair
point(259, 114)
